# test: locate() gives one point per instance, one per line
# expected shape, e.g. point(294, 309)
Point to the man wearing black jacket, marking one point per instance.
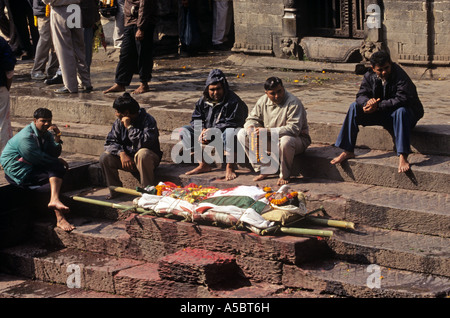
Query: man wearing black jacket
point(219, 113)
point(387, 97)
point(136, 51)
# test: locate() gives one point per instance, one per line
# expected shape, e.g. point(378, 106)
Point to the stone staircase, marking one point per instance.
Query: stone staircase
point(399, 248)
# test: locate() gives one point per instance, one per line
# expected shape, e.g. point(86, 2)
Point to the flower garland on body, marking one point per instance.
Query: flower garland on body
point(277, 198)
point(191, 193)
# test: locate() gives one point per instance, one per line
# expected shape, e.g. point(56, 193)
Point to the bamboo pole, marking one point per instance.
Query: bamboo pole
point(125, 190)
point(301, 231)
point(109, 204)
point(333, 223)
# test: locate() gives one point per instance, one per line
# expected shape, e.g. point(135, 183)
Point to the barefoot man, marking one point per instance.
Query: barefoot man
point(136, 52)
point(31, 159)
point(277, 114)
point(387, 97)
point(218, 112)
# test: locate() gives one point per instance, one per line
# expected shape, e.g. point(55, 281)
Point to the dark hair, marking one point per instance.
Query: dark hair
point(272, 82)
point(380, 58)
point(42, 113)
point(126, 102)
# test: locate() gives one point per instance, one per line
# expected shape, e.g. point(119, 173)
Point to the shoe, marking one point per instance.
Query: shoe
point(63, 90)
point(85, 89)
point(57, 79)
point(38, 76)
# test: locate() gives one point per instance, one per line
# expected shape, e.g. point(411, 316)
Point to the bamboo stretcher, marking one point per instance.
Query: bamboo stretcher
point(286, 229)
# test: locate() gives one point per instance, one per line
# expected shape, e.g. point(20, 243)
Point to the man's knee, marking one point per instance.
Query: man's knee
point(105, 158)
point(146, 156)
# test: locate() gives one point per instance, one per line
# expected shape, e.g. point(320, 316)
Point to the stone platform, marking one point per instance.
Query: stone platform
point(402, 220)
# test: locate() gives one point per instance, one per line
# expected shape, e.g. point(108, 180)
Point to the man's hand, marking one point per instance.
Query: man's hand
point(56, 131)
point(371, 105)
point(127, 162)
point(126, 121)
point(66, 165)
point(202, 138)
point(139, 35)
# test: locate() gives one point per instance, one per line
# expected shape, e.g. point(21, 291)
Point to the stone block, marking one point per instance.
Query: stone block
point(198, 266)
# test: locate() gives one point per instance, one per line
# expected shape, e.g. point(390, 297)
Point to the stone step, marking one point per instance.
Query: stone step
point(89, 127)
point(113, 277)
point(170, 276)
point(387, 247)
point(395, 249)
point(364, 281)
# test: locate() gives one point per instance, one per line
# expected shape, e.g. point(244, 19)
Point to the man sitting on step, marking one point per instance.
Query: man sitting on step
point(131, 145)
point(275, 131)
point(387, 97)
point(31, 161)
point(217, 114)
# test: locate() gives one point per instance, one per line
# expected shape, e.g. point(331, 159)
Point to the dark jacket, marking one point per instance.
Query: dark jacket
point(89, 13)
point(231, 112)
point(144, 134)
point(143, 14)
point(7, 60)
point(399, 91)
point(38, 8)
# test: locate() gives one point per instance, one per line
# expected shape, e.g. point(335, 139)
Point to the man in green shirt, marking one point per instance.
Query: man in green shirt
point(31, 160)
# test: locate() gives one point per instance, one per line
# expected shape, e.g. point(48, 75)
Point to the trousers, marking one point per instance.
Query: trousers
point(135, 56)
point(146, 162)
point(400, 121)
point(281, 159)
point(45, 52)
point(70, 50)
point(5, 119)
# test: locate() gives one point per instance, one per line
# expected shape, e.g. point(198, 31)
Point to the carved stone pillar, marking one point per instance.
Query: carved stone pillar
point(290, 30)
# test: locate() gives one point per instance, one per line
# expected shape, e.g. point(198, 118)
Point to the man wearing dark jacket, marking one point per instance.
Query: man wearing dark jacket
point(132, 144)
point(136, 52)
point(387, 97)
point(218, 111)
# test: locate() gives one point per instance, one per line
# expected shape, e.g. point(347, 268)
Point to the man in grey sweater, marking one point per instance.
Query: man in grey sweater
point(279, 126)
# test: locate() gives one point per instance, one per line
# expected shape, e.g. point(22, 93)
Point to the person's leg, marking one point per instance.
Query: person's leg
point(110, 165)
point(79, 46)
point(289, 148)
point(43, 48)
point(62, 41)
point(188, 136)
point(350, 128)
point(118, 25)
point(146, 163)
point(402, 122)
point(145, 59)
point(127, 64)
point(5, 120)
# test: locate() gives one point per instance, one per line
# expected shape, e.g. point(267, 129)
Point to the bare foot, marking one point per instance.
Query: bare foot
point(342, 157)
point(230, 174)
point(62, 223)
point(403, 164)
point(260, 177)
point(58, 205)
point(202, 168)
point(282, 181)
point(115, 88)
point(141, 89)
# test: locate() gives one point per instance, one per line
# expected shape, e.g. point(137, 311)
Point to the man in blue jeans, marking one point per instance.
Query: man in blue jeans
point(387, 97)
point(136, 51)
